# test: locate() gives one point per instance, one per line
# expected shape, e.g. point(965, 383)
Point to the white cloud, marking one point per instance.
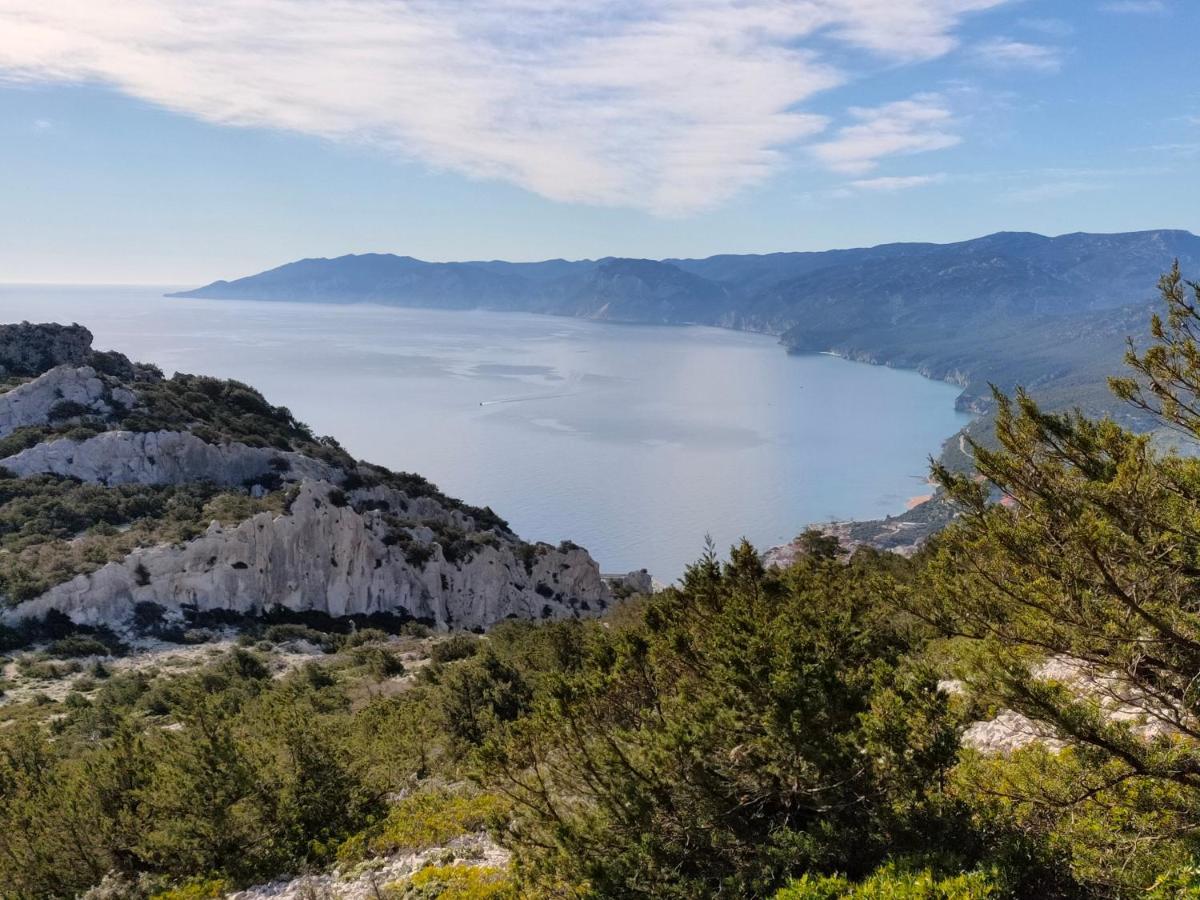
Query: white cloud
point(1002, 53)
point(883, 184)
point(1134, 6)
point(890, 184)
point(671, 106)
point(916, 125)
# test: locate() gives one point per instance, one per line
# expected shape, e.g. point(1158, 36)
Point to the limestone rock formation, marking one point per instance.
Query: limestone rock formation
point(355, 539)
point(27, 349)
point(331, 558)
point(162, 457)
point(63, 392)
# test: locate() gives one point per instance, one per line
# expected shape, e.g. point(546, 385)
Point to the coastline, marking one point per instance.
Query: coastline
point(900, 531)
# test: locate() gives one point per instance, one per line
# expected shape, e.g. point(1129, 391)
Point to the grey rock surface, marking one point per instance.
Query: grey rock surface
point(162, 457)
point(333, 559)
point(33, 402)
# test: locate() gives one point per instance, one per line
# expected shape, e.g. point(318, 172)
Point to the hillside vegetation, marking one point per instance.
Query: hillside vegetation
point(1010, 713)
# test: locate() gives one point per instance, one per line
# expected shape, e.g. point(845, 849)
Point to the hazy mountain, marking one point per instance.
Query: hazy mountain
point(1012, 308)
point(1005, 274)
point(375, 278)
point(640, 290)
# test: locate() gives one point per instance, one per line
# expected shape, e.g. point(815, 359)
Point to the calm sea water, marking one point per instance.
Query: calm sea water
point(632, 441)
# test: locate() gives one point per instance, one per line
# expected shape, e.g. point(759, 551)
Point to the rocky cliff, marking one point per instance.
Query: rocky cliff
point(350, 539)
point(336, 554)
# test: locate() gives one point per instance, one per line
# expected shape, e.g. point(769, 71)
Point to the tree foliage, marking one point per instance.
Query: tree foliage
point(1076, 599)
point(752, 725)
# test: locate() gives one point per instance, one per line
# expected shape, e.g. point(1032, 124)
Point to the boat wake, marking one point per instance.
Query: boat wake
point(523, 399)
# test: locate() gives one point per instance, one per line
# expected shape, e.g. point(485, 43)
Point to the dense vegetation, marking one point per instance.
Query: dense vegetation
point(752, 732)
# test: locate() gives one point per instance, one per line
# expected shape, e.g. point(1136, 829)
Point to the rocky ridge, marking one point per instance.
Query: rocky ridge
point(162, 457)
point(63, 392)
point(323, 556)
point(353, 539)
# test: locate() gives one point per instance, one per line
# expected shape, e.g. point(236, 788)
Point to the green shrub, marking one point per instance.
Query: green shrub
point(362, 636)
point(67, 409)
point(380, 662)
point(455, 647)
point(892, 883)
point(1181, 884)
point(197, 889)
point(456, 882)
point(77, 645)
point(285, 633)
point(424, 819)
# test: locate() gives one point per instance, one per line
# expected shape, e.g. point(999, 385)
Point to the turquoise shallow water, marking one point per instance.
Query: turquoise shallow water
point(632, 441)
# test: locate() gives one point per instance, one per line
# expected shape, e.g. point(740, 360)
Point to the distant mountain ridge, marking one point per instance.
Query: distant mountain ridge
point(1010, 308)
point(1013, 273)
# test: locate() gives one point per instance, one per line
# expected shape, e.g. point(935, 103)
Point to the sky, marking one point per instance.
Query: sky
point(173, 142)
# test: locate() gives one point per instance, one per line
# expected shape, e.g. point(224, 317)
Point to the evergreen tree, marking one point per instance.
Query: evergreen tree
point(1073, 585)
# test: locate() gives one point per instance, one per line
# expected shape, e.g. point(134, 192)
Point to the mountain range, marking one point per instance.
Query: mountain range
point(1011, 308)
point(1010, 273)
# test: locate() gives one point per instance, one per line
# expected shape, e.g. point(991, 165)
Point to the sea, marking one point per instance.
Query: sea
point(633, 441)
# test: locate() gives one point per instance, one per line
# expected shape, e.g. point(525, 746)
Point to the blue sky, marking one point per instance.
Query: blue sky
point(168, 142)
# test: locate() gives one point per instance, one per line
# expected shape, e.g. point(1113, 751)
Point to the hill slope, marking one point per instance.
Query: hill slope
point(120, 488)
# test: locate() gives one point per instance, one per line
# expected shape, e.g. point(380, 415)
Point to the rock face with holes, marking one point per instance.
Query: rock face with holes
point(66, 390)
point(327, 556)
point(162, 457)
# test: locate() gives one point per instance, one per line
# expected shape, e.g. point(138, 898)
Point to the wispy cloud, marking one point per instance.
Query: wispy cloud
point(1180, 149)
point(1134, 6)
point(671, 106)
point(1002, 53)
point(890, 184)
point(919, 124)
point(883, 184)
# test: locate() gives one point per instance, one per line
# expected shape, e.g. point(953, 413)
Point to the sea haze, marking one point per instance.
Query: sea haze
point(634, 441)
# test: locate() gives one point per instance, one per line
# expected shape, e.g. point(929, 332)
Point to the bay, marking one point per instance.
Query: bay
point(633, 441)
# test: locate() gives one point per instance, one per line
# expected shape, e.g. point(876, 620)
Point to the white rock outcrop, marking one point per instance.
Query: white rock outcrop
point(372, 880)
point(1118, 700)
point(162, 457)
point(332, 559)
point(1009, 731)
point(31, 403)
